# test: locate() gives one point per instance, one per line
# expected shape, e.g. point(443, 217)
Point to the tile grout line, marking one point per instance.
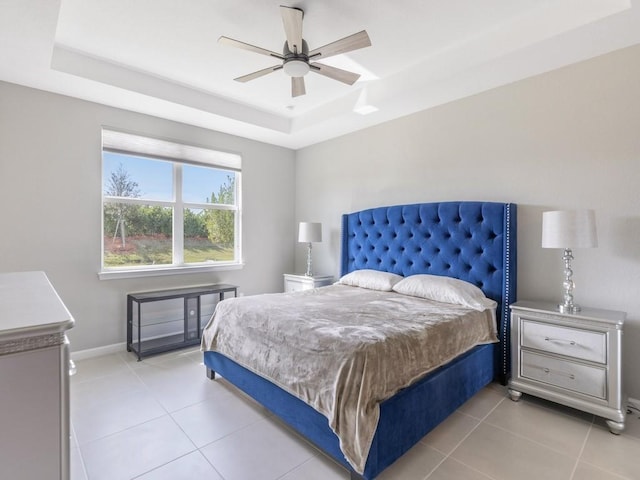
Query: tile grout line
point(268, 420)
point(167, 414)
point(77, 447)
point(166, 463)
point(598, 467)
point(523, 437)
point(584, 444)
point(463, 439)
point(197, 449)
point(146, 387)
point(280, 477)
point(591, 423)
point(608, 472)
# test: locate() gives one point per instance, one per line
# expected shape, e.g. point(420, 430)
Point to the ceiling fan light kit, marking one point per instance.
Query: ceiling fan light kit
point(296, 56)
point(296, 68)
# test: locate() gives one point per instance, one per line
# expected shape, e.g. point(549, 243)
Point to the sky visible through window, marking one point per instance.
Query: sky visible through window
point(155, 177)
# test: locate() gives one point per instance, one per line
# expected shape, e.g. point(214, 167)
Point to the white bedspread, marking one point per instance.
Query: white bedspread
point(343, 350)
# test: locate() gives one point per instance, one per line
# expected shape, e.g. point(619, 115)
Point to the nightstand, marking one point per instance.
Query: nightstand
point(294, 282)
point(572, 359)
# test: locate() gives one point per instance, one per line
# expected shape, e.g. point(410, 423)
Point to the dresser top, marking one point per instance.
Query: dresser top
point(594, 314)
point(29, 306)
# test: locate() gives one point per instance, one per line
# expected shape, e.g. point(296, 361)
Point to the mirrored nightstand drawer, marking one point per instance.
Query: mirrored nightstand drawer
point(582, 344)
point(577, 377)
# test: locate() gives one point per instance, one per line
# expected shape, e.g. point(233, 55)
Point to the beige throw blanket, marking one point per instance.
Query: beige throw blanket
point(343, 350)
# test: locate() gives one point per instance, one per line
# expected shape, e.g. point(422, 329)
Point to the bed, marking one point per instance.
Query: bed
point(471, 241)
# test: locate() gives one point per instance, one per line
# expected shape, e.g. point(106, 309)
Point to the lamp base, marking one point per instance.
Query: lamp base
point(309, 273)
point(567, 305)
point(569, 308)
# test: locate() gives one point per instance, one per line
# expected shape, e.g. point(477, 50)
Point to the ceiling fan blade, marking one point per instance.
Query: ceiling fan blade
point(346, 44)
point(343, 76)
point(246, 46)
point(258, 74)
point(292, 21)
point(297, 86)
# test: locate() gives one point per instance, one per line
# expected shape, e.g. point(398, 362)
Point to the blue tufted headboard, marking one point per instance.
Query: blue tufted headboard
point(472, 241)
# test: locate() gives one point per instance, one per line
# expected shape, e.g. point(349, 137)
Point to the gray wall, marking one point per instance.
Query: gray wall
point(566, 139)
point(50, 196)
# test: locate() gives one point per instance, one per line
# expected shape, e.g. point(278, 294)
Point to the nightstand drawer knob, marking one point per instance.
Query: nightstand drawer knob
point(560, 340)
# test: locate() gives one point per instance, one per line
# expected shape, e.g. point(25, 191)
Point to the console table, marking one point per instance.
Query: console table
point(164, 320)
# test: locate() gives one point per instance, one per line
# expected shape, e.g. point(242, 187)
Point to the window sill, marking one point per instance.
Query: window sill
point(162, 271)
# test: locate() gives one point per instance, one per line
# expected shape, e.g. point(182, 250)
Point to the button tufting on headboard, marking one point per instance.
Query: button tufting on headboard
point(473, 241)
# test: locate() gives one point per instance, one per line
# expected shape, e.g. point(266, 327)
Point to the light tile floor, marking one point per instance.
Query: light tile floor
point(162, 419)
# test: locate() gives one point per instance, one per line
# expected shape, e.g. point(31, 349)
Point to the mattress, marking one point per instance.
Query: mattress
point(344, 349)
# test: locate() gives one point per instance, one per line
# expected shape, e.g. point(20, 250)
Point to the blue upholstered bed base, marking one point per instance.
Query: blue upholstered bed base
point(473, 241)
point(404, 418)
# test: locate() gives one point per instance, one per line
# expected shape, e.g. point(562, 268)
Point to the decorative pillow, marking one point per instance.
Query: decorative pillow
point(371, 279)
point(445, 290)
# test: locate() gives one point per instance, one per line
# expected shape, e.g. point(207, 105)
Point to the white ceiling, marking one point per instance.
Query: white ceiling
point(161, 57)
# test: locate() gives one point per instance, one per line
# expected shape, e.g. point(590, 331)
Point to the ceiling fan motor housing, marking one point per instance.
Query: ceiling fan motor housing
point(296, 64)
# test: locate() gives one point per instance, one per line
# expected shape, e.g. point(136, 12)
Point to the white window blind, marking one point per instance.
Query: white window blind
point(120, 142)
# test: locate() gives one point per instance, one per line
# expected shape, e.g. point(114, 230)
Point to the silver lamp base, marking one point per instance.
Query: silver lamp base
point(567, 305)
point(309, 273)
point(573, 308)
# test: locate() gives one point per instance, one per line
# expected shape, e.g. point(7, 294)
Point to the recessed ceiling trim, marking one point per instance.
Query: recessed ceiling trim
point(76, 63)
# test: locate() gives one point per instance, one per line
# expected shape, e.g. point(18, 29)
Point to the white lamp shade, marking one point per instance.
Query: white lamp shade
point(310, 232)
point(569, 229)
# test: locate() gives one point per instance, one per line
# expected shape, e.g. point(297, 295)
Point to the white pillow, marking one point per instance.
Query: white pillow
point(371, 279)
point(445, 290)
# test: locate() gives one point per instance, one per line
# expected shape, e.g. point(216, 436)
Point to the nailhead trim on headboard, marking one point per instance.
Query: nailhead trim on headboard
point(509, 287)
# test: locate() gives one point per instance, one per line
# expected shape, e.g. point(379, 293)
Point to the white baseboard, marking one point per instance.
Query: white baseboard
point(634, 402)
point(99, 351)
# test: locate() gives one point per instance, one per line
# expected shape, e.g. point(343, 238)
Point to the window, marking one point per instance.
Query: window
point(167, 207)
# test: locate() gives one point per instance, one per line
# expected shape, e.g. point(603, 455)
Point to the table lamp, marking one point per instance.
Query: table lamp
point(309, 232)
point(569, 229)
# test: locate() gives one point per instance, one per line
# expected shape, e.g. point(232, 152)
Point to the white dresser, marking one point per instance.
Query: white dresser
point(295, 283)
point(34, 376)
point(572, 359)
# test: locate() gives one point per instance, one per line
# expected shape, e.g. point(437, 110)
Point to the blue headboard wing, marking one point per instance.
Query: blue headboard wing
point(472, 241)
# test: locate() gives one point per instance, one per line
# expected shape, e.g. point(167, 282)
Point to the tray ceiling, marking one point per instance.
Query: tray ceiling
point(161, 57)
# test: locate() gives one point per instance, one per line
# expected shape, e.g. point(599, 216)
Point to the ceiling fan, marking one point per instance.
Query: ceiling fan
point(296, 58)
